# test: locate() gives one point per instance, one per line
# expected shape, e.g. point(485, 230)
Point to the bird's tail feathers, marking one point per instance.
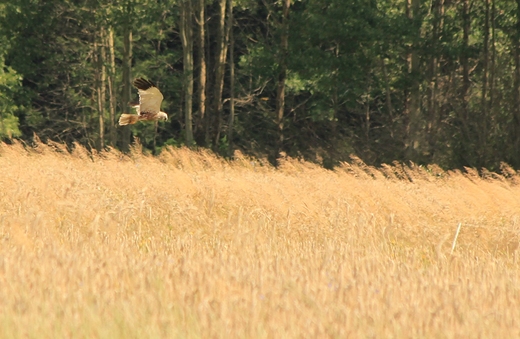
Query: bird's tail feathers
point(128, 119)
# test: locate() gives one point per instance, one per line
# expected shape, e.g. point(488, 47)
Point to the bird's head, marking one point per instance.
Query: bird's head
point(162, 116)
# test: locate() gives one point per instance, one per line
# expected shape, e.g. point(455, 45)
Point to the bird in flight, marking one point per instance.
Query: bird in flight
point(149, 106)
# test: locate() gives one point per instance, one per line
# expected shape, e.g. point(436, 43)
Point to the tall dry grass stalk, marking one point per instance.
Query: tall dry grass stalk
point(186, 245)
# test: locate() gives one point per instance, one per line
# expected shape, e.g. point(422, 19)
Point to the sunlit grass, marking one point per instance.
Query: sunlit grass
point(186, 245)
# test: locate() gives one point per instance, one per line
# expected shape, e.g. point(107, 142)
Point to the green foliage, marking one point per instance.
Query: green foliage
point(348, 83)
point(9, 126)
point(10, 84)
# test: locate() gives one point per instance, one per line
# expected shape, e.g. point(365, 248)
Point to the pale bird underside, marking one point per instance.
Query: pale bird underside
point(149, 107)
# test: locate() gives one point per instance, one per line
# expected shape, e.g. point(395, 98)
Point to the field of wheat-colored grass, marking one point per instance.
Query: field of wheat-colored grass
point(187, 245)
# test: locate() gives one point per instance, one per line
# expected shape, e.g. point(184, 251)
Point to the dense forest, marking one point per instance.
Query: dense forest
point(433, 81)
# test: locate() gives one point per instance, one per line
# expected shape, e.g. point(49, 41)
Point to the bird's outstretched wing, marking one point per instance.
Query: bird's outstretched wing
point(150, 98)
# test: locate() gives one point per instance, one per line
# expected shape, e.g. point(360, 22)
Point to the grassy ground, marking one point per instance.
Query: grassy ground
point(189, 246)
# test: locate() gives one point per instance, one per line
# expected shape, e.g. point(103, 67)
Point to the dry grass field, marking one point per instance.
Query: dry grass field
point(186, 245)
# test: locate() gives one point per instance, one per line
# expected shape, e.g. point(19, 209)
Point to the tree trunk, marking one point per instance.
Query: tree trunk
point(433, 105)
point(201, 65)
point(492, 60)
point(282, 75)
point(367, 119)
point(464, 60)
point(483, 130)
point(127, 76)
point(516, 89)
point(111, 84)
point(220, 65)
point(187, 52)
point(231, 80)
point(208, 115)
point(388, 94)
point(99, 50)
point(465, 57)
point(415, 142)
point(485, 58)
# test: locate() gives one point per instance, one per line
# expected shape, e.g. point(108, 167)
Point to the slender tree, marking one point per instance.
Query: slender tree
point(492, 61)
point(127, 68)
point(433, 95)
point(219, 70)
point(464, 58)
point(282, 74)
point(516, 81)
point(414, 146)
point(231, 121)
point(485, 57)
point(187, 52)
point(111, 86)
point(201, 64)
point(484, 108)
point(101, 74)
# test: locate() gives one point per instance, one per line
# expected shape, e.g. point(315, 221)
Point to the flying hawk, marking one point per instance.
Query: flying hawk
point(149, 107)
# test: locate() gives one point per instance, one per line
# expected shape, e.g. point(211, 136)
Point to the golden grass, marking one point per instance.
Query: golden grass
point(186, 245)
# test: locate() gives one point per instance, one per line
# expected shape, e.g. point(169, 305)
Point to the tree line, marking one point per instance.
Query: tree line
point(433, 81)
